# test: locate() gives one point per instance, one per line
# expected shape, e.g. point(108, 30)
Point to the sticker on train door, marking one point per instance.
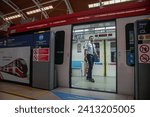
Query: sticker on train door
point(41, 54)
point(144, 53)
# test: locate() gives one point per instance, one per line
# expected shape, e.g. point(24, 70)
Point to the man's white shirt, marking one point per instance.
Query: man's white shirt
point(90, 48)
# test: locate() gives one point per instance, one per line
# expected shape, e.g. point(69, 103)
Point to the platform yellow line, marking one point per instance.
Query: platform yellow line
point(18, 95)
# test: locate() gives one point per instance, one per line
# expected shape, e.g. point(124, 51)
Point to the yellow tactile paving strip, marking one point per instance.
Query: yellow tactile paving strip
point(6, 96)
point(27, 91)
point(21, 91)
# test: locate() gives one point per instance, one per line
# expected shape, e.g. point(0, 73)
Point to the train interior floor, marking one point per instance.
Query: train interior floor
point(13, 91)
point(101, 83)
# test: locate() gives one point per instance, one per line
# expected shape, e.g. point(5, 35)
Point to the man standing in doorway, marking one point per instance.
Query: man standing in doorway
point(90, 51)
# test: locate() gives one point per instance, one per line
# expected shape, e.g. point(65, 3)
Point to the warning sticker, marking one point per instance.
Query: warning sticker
point(144, 37)
point(144, 58)
point(41, 54)
point(35, 57)
point(144, 48)
point(144, 53)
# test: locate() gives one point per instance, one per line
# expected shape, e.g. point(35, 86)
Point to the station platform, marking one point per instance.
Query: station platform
point(13, 91)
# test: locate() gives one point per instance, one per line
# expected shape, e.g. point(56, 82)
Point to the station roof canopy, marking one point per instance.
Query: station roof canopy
point(14, 12)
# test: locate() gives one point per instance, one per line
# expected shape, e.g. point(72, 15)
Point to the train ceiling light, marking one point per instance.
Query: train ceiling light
point(94, 29)
point(106, 13)
point(112, 27)
point(110, 2)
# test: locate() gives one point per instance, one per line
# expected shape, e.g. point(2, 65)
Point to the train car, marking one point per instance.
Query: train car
point(107, 25)
point(17, 67)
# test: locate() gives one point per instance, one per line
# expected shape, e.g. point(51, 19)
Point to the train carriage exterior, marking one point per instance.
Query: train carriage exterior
point(120, 16)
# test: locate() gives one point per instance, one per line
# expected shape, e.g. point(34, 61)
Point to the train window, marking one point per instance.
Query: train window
point(130, 54)
point(97, 46)
point(113, 51)
point(23, 62)
point(17, 63)
point(59, 47)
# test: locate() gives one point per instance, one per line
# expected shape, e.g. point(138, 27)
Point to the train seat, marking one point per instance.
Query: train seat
point(77, 65)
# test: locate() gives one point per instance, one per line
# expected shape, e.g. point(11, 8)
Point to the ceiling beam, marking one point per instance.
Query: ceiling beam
point(5, 25)
point(37, 3)
point(2, 17)
point(28, 8)
point(16, 8)
point(69, 7)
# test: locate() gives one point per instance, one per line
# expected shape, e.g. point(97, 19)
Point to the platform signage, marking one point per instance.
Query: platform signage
point(42, 39)
point(41, 54)
point(144, 53)
point(20, 40)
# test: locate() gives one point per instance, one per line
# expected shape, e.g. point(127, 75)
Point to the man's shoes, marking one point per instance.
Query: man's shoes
point(91, 80)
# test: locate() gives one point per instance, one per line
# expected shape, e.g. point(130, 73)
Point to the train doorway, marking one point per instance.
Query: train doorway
point(104, 66)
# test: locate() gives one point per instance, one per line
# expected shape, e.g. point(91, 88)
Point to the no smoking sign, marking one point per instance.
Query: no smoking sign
point(144, 58)
point(144, 53)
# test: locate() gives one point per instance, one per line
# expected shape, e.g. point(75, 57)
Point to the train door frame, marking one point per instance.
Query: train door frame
point(63, 79)
point(116, 57)
point(70, 80)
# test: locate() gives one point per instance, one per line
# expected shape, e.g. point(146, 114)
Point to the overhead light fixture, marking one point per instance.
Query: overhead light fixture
point(98, 4)
point(12, 17)
point(81, 30)
point(39, 10)
point(112, 27)
point(86, 30)
point(100, 28)
point(78, 31)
